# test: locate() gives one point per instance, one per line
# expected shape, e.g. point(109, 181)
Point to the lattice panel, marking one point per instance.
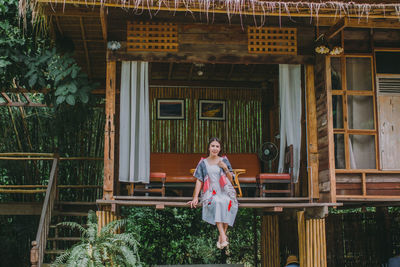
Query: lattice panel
point(271, 40)
point(152, 36)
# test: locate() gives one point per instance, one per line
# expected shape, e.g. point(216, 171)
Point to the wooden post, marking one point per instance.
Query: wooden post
point(34, 254)
point(108, 185)
point(312, 241)
point(104, 217)
point(270, 256)
point(312, 139)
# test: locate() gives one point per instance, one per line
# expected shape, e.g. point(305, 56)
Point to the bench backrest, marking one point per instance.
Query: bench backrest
point(179, 165)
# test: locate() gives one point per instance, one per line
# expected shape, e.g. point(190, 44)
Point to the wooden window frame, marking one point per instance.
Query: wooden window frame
point(344, 93)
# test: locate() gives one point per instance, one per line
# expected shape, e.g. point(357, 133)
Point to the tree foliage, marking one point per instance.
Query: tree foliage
point(179, 236)
point(104, 249)
point(28, 61)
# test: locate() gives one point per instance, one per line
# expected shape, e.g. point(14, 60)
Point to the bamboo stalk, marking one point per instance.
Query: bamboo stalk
point(26, 158)
point(21, 191)
point(25, 154)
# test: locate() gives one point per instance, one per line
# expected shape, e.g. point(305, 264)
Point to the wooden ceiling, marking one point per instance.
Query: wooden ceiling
point(87, 29)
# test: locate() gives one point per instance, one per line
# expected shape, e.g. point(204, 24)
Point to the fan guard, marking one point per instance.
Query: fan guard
point(268, 152)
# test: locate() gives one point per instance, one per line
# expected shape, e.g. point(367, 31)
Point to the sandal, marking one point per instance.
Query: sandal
point(219, 245)
point(224, 244)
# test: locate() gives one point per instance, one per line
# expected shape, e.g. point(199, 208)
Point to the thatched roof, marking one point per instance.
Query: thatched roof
point(295, 8)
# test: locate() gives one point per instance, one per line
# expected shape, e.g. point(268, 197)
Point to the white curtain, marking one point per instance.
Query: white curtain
point(290, 115)
point(134, 141)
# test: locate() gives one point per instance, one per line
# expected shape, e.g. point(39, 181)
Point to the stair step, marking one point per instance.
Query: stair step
point(53, 251)
point(74, 203)
point(70, 213)
point(70, 238)
point(55, 226)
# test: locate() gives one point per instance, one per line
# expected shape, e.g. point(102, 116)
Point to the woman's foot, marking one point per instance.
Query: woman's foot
point(224, 242)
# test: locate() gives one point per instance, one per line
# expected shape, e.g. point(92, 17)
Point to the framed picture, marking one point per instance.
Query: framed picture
point(212, 109)
point(170, 109)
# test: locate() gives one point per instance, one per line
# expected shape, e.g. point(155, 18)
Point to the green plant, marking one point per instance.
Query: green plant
point(106, 248)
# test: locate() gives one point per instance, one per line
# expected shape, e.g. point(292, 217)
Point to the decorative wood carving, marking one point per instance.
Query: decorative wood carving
point(152, 36)
point(272, 40)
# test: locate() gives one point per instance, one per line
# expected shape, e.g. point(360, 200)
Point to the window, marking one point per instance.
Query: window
point(353, 111)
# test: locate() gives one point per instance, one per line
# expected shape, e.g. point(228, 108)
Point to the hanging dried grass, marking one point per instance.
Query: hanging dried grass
point(313, 9)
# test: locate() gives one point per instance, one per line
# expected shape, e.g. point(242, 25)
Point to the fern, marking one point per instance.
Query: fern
point(104, 249)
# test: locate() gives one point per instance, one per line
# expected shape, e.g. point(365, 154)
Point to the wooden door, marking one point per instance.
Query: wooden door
point(389, 131)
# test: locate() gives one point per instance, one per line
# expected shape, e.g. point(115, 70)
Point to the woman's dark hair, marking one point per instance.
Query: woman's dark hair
point(212, 139)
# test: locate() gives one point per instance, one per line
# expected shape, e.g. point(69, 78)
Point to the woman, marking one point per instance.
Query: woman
point(218, 197)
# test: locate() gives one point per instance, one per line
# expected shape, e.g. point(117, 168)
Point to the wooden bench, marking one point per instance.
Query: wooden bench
point(176, 169)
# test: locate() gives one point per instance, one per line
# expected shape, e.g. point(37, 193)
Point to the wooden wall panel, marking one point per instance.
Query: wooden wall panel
point(322, 126)
point(241, 132)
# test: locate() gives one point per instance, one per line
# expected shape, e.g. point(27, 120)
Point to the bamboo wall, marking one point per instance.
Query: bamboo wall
point(241, 132)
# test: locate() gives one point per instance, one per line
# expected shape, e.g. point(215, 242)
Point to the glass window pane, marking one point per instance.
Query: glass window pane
point(358, 74)
point(360, 111)
point(362, 151)
point(336, 73)
point(339, 151)
point(337, 106)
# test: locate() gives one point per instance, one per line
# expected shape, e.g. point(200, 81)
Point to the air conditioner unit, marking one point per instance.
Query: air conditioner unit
point(388, 83)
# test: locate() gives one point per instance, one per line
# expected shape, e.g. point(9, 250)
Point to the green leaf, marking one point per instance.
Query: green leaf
point(84, 97)
point(74, 73)
point(71, 100)
point(60, 99)
point(72, 88)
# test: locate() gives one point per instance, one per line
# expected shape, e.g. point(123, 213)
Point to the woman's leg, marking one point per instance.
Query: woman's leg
point(221, 229)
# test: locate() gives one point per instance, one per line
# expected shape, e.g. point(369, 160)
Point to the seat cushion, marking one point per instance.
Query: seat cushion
point(273, 176)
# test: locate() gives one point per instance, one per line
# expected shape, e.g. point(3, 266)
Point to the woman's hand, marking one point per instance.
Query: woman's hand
point(222, 165)
point(194, 202)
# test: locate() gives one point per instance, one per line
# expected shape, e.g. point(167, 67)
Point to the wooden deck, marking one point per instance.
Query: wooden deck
point(276, 203)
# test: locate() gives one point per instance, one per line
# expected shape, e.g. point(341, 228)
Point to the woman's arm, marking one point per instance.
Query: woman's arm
point(226, 170)
point(196, 192)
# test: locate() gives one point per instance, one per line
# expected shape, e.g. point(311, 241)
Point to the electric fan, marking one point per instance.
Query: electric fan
point(268, 152)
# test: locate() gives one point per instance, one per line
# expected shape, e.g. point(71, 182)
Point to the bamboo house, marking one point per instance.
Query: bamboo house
point(305, 96)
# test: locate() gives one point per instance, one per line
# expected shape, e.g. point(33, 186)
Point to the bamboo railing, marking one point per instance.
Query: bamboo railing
point(39, 245)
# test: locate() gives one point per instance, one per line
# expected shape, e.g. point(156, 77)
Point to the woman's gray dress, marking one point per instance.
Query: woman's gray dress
point(218, 195)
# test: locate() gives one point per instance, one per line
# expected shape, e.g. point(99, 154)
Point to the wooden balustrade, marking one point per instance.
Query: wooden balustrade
point(39, 244)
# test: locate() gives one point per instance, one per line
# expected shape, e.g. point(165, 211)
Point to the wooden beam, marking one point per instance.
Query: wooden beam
point(20, 208)
point(252, 69)
point(312, 134)
point(183, 204)
point(103, 20)
point(170, 69)
point(336, 28)
point(206, 58)
point(109, 136)
point(331, 143)
point(228, 77)
point(89, 72)
point(355, 23)
point(221, 84)
point(190, 75)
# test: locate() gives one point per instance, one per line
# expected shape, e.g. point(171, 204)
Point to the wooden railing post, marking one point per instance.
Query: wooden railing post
point(34, 254)
point(109, 135)
point(312, 134)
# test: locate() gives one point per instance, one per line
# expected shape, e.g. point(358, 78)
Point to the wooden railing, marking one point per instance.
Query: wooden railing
point(39, 245)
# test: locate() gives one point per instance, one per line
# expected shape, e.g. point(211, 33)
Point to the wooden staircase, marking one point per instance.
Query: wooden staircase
point(61, 238)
